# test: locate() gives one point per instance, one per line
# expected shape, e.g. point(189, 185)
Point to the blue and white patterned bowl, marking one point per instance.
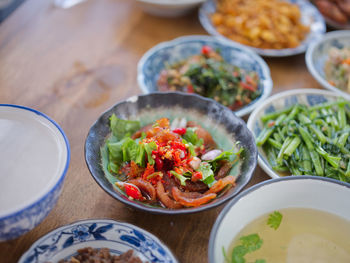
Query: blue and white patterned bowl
point(317, 55)
point(280, 101)
point(154, 60)
point(34, 158)
point(63, 242)
point(309, 16)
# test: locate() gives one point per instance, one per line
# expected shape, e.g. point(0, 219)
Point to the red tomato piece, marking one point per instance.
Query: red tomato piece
point(206, 50)
point(180, 131)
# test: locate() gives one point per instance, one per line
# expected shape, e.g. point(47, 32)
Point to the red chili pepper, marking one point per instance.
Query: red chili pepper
point(159, 163)
point(197, 175)
point(180, 131)
point(190, 89)
point(247, 86)
point(206, 50)
point(178, 145)
point(133, 191)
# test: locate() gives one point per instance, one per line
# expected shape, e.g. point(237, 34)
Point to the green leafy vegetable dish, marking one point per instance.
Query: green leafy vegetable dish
point(169, 164)
point(208, 75)
point(312, 140)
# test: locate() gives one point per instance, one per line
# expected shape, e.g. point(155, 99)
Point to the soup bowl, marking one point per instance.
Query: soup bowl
point(224, 126)
point(308, 192)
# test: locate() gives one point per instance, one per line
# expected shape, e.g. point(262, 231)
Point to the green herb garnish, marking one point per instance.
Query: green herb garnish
point(274, 220)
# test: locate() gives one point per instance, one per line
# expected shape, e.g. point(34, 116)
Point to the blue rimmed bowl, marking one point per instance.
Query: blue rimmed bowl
point(155, 59)
point(317, 55)
point(306, 192)
point(223, 125)
point(119, 237)
point(279, 101)
point(34, 157)
point(309, 16)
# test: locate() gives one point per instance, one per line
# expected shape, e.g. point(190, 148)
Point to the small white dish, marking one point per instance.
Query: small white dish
point(309, 16)
point(155, 59)
point(317, 55)
point(63, 242)
point(168, 8)
point(280, 101)
point(298, 192)
point(34, 160)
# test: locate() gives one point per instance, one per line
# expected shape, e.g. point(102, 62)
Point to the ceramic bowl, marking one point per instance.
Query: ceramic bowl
point(266, 197)
point(225, 127)
point(154, 61)
point(168, 8)
point(63, 242)
point(309, 16)
point(34, 160)
point(317, 55)
point(280, 101)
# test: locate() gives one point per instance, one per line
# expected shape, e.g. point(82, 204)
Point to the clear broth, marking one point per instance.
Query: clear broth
point(304, 236)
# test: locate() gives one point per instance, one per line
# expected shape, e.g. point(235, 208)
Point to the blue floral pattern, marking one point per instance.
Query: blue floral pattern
point(309, 16)
point(119, 237)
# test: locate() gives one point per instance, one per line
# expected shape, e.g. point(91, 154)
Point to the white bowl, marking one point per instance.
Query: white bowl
point(317, 55)
point(168, 8)
point(119, 237)
point(280, 101)
point(34, 160)
point(309, 16)
point(155, 59)
point(317, 193)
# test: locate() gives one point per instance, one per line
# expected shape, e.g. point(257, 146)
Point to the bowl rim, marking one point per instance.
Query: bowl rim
point(309, 59)
point(232, 202)
point(94, 220)
point(206, 24)
point(156, 210)
point(267, 84)
point(170, 3)
point(252, 118)
point(60, 178)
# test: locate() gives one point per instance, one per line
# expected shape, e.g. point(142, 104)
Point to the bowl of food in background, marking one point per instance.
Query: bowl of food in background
point(291, 219)
point(336, 13)
point(170, 153)
point(226, 72)
point(270, 28)
point(99, 240)
point(168, 8)
point(303, 132)
point(35, 156)
point(328, 61)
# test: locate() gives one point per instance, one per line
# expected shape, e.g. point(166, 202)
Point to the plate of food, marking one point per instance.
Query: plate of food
point(170, 153)
point(328, 61)
point(96, 240)
point(303, 132)
point(271, 28)
point(226, 72)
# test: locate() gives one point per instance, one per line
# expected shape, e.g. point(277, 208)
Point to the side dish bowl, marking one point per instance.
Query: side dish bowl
point(156, 59)
point(273, 195)
point(34, 156)
point(119, 237)
point(224, 126)
point(309, 16)
point(168, 8)
point(317, 55)
point(279, 101)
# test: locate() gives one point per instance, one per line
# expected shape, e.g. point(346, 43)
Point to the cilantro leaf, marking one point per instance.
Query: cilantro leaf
point(251, 242)
point(120, 128)
point(192, 137)
point(238, 254)
point(248, 244)
point(274, 220)
point(260, 261)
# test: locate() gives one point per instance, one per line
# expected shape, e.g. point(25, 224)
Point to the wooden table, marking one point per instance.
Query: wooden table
point(72, 65)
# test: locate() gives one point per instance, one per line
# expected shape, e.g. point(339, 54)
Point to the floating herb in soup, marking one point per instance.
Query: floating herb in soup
point(173, 165)
point(293, 235)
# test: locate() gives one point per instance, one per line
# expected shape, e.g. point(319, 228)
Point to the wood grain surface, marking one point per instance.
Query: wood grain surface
point(73, 64)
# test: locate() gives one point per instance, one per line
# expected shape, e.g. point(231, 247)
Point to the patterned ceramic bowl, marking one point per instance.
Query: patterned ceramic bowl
point(63, 242)
point(317, 55)
point(34, 160)
point(280, 101)
point(155, 59)
point(224, 126)
point(309, 16)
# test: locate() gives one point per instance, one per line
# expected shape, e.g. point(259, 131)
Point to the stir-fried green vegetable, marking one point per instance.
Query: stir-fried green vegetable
point(309, 140)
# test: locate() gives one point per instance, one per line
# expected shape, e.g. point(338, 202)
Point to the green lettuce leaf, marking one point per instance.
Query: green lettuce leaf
point(149, 147)
point(180, 177)
point(191, 136)
point(120, 128)
point(207, 174)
